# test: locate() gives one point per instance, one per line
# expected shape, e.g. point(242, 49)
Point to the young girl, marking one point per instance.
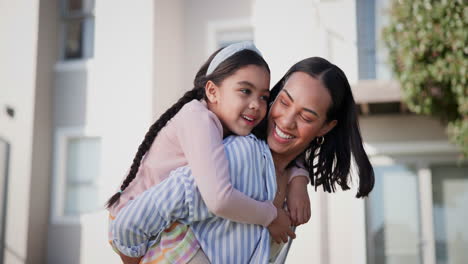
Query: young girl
point(234, 82)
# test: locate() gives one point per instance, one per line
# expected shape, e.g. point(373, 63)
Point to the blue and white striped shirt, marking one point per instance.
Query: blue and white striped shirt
point(140, 223)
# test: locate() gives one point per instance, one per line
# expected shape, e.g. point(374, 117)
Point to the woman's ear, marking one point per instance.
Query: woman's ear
point(212, 92)
point(327, 127)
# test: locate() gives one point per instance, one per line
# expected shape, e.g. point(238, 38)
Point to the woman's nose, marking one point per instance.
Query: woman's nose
point(288, 120)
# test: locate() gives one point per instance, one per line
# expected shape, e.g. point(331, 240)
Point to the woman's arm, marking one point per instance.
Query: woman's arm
point(298, 200)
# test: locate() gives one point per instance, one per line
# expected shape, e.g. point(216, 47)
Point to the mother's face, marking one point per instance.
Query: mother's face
point(298, 115)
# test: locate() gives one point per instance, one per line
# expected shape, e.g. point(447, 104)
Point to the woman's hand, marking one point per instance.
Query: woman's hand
point(298, 200)
point(280, 227)
point(130, 260)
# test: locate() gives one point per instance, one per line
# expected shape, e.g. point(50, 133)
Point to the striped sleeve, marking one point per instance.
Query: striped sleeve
point(144, 218)
point(252, 172)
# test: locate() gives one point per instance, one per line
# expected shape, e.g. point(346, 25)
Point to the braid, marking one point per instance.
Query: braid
point(225, 69)
point(195, 93)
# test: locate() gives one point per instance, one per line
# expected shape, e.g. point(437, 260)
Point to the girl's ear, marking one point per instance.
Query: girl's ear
point(212, 92)
point(327, 127)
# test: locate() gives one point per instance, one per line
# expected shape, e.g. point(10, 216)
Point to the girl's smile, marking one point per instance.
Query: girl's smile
point(250, 119)
point(240, 101)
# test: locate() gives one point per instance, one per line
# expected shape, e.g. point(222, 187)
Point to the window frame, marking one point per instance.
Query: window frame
point(213, 28)
point(376, 82)
point(59, 175)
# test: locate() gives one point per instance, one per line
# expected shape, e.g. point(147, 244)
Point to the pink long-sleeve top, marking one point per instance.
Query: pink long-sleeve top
point(194, 137)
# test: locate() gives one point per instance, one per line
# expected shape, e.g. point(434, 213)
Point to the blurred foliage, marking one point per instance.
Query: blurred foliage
point(427, 42)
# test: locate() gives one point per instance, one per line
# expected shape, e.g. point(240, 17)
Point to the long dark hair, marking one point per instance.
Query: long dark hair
point(225, 69)
point(329, 163)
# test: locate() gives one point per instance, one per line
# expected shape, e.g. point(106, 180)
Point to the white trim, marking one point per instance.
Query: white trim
point(61, 136)
point(376, 91)
point(213, 27)
point(427, 147)
point(427, 239)
point(324, 227)
point(73, 65)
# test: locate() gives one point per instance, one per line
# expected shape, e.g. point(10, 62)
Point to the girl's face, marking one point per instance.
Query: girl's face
point(298, 115)
point(240, 101)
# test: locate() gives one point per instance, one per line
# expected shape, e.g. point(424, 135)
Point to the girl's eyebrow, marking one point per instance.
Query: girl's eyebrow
point(251, 85)
point(305, 109)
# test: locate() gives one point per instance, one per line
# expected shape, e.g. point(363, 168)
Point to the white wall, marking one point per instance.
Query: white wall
point(18, 50)
point(119, 97)
point(289, 31)
point(119, 104)
point(109, 96)
point(169, 42)
point(42, 138)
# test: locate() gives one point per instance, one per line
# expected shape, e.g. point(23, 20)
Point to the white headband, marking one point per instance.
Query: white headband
point(228, 51)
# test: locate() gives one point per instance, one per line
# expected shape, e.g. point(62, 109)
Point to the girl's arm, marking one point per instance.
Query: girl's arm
point(297, 196)
point(200, 136)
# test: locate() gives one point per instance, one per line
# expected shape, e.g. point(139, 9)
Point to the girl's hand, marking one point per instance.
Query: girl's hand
point(130, 260)
point(280, 227)
point(298, 200)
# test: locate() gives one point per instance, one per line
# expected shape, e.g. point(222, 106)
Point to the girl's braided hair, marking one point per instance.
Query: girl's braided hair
point(225, 69)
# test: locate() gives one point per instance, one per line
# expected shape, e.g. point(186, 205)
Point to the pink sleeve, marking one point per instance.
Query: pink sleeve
point(298, 170)
point(200, 136)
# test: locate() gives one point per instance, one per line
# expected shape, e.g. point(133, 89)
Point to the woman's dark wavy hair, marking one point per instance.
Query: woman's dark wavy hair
point(329, 164)
point(225, 69)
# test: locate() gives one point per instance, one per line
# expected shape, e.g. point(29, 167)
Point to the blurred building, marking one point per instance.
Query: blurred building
point(81, 81)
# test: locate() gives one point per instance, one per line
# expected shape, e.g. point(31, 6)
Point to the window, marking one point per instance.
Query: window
point(226, 32)
point(450, 211)
point(417, 211)
point(82, 170)
point(228, 37)
point(392, 216)
point(77, 29)
point(371, 17)
point(77, 170)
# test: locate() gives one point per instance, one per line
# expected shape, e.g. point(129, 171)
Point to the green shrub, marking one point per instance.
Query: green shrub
point(428, 46)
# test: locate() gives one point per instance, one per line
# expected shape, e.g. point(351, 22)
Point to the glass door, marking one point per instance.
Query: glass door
point(450, 212)
point(393, 217)
point(417, 213)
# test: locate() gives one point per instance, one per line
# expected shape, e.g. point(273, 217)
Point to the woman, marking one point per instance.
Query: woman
point(312, 116)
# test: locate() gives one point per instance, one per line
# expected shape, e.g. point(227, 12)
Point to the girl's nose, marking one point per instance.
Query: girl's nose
point(254, 104)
